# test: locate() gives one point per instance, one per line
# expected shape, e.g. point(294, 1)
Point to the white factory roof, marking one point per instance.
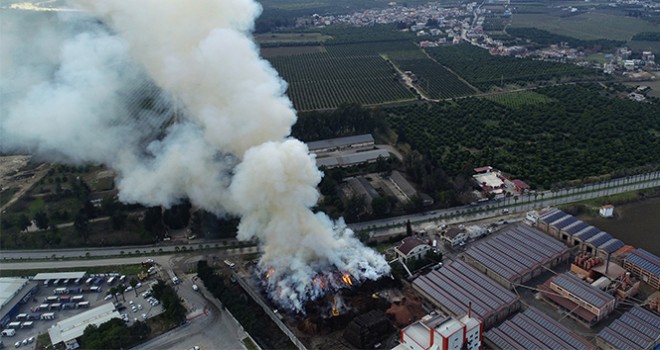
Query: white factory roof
point(74, 327)
point(9, 288)
point(58, 275)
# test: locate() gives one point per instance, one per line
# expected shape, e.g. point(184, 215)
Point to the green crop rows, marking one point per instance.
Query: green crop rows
point(483, 70)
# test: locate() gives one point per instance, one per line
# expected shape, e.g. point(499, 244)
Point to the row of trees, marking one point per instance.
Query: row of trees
point(248, 313)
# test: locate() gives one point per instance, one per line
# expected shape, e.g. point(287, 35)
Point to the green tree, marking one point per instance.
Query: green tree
point(41, 219)
point(23, 222)
point(81, 225)
point(133, 282)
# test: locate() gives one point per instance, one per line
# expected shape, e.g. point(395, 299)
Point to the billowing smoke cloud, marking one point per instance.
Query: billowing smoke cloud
point(224, 126)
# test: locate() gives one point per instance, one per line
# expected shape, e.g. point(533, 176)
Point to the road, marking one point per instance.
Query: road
point(143, 250)
point(215, 328)
point(492, 209)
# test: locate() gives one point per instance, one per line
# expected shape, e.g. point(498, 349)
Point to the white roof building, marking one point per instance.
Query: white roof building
point(58, 275)
point(74, 327)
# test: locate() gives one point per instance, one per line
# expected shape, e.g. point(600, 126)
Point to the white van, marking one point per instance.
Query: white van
point(9, 332)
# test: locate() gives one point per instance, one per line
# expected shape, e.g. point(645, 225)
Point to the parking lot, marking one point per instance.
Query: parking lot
point(53, 303)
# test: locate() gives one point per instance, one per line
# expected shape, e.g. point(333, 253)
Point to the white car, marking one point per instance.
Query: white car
point(108, 297)
point(139, 307)
point(130, 302)
point(31, 340)
point(18, 344)
point(134, 309)
point(129, 288)
point(144, 316)
point(137, 286)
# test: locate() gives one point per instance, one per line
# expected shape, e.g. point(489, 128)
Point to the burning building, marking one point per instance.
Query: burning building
point(222, 151)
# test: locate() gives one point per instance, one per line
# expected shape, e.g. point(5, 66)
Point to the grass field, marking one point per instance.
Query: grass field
point(519, 99)
point(587, 26)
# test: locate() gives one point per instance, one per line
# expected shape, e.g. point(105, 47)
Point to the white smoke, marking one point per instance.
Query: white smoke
point(227, 148)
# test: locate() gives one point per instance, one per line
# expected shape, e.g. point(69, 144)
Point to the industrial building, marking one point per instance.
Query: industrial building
point(636, 329)
point(411, 248)
point(14, 292)
point(52, 276)
point(361, 187)
point(532, 329)
point(350, 159)
point(368, 329)
point(644, 265)
point(441, 332)
point(73, 327)
point(452, 288)
point(581, 301)
point(341, 143)
point(516, 255)
point(569, 229)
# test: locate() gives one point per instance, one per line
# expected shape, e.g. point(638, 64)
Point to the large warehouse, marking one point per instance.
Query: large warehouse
point(13, 293)
point(516, 255)
point(454, 286)
point(582, 301)
point(532, 329)
point(73, 327)
point(569, 229)
point(636, 329)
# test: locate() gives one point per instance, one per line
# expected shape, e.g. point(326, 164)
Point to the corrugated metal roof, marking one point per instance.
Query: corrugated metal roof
point(582, 290)
point(560, 224)
point(599, 239)
point(576, 227)
point(612, 245)
point(586, 233)
point(533, 330)
point(58, 275)
point(636, 329)
point(552, 216)
point(516, 251)
point(457, 284)
point(645, 260)
point(352, 158)
point(339, 142)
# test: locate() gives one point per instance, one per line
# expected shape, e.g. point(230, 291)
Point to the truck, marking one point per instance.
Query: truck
point(82, 304)
point(27, 324)
point(95, 289)
point(9, 332)
point(51, 299)
point(48, 316)
point(34, 316)
point(14, 325)
point(21, 317)
point(175, 280)
point(75, 290)
point(65, 299)
point(77, 298)
point(62, 290)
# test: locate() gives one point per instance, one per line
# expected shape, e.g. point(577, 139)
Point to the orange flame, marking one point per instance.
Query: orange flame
point(335, 312)
point(270, 272)
point(347, 279)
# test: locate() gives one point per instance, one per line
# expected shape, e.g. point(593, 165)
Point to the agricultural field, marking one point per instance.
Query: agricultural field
point(268, 52)
point(323, 81)
point(581, 130)
point(485, 71)
point(646, 46)
point(290, 38)
point(586, 26)
point(519, 99)
point(434, 79)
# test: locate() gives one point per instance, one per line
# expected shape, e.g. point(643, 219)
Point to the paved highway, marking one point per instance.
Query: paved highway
point(525, 203)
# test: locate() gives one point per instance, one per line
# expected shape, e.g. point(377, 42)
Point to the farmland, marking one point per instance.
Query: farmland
point(519, 99)
point(322, 81)
point(586, 26)
point(484, 71)
point(578, 131)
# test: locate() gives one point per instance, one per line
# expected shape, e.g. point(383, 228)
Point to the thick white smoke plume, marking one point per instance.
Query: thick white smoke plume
point(70, 89)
